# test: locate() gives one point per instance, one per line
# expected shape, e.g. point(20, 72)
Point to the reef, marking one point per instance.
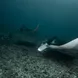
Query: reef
point(23, 62)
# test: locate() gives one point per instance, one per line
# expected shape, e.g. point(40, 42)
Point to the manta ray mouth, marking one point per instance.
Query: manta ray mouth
point(43, 47)
point(46, 43)
point(39, 49)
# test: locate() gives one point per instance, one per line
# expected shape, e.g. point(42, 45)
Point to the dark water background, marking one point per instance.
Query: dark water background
point(55, 17)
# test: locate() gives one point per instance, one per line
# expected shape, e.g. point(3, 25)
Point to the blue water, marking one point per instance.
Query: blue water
point(55, 17)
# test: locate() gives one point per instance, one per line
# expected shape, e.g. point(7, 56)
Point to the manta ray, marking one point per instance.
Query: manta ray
point(70, 48)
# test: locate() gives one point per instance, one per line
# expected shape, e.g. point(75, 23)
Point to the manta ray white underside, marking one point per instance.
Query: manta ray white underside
point(70, 48)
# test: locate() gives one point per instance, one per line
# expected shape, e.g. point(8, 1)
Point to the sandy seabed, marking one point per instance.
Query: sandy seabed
point(22, 62)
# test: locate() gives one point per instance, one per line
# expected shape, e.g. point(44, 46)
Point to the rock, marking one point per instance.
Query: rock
point(26, 43)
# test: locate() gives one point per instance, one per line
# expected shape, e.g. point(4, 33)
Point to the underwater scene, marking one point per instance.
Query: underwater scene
point(39, 39)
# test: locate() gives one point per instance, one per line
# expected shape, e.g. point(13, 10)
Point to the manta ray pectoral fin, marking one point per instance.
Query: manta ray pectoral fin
point(71, 45)
point(70, 48)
